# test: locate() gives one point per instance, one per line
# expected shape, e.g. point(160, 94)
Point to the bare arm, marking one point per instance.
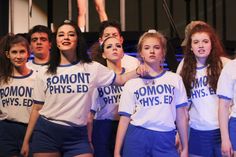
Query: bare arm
point(90, 127)
point(32, 121)
point(223, 121)
point(121, 131)
point(182, 126)
point(142, 70)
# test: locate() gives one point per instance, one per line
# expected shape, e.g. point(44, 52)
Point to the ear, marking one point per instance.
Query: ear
point(7, 54)
point(121, 39)
point(100, 40)
point(104, 56)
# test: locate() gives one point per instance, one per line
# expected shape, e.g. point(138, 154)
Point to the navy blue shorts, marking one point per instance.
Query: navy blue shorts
point(141, 142)
point(205, 143)
point(11, 137)
point(104, 135)
point(232, 132)
point(49, 137)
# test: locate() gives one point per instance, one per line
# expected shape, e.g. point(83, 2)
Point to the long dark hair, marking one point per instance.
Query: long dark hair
point(6, 43)
point(81, 50)
point(213, 62)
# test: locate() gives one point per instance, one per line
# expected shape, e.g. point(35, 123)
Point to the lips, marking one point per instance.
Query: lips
point(66, 43)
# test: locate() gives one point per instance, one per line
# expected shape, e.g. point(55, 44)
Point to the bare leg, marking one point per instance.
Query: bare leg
point(101, 10)
point(85, 155)
point(81, 4)
point(56, 154)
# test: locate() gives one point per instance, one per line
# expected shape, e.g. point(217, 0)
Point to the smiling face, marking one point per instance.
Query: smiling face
point(66, 38)
point(201, 45)
point(112, 50)
point(152, 51)
point(18, 55)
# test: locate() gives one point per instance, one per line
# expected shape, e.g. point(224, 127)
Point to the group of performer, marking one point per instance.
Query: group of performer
point(71, 100)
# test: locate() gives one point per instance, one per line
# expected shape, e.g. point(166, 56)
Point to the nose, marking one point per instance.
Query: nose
point(200, 44)
point(18, 55)
point(152, 50)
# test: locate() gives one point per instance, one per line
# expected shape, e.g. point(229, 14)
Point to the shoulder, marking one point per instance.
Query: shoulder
point(224, 60)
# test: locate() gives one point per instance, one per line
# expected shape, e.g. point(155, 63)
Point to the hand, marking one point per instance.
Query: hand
point(226, 149)
point(142, 70)
point(25, 149)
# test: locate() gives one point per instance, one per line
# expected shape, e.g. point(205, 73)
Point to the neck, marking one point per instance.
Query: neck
point(116, 67)
point(155, 70)
point(68, 57)
point(41, 60)
point(21, 71)
point(201, 62)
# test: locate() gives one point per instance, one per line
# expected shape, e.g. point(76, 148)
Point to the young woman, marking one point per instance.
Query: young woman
point(105, 109)
point(63, 97)
point(200, 71)
point(150, 106)
point(16, 88)
point(227, 119)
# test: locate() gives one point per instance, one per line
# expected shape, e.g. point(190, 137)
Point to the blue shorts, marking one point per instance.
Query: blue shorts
point(104, 135)
point(11, 137)
point(141, 142)
point(205, 143)
point(49, 137)
point(232, 132)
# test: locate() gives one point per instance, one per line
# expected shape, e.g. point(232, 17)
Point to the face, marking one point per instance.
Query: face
point(18, 55)
point(152, 51)
point(113, 50)
point(111, 32)
point(66, 38)
point(40, 44)
point(201, 45)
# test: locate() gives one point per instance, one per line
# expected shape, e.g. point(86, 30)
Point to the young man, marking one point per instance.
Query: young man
point(40, 45)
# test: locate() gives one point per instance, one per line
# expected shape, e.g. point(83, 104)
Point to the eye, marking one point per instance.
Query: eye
point(43, 39)
point(60, 35)
point(71, 34)
point(109, 46)
point(34, 39)
point(146, 47)
point(157, 47)
point(118, 45)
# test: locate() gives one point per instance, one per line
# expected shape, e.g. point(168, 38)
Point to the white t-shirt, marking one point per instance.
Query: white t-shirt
point(204, 101)
point(226, 88)
point(151, 103)
point(129, 63)
point(107, 101)
point(34, 66)
point(16, 98)
point(67, 95)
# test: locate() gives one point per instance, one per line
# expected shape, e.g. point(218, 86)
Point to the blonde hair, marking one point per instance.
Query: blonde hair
point(152, 34)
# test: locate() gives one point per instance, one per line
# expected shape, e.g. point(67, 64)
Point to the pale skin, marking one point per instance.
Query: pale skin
point(226, 146)
point(40, 46)
point(18, 55)
point(99, 4)
point(153, 54)
point(66, 40)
